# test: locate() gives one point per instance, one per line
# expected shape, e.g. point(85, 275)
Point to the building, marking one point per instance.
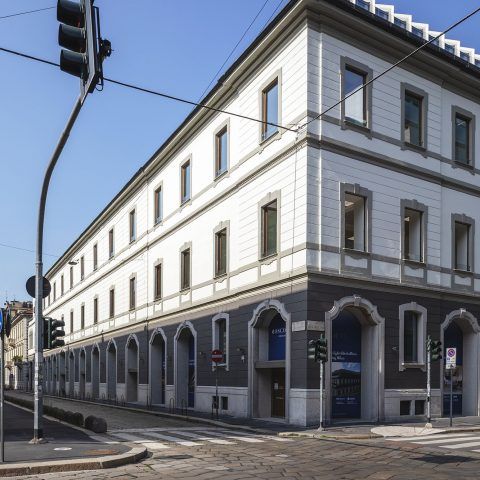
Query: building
point(16, 368)
point(256, 237)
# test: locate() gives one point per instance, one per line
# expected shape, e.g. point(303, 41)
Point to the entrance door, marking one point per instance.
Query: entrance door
point(346, 366)
point(453, 338)
point(278, 392)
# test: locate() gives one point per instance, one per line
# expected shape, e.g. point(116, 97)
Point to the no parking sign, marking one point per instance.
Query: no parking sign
point(451, 358)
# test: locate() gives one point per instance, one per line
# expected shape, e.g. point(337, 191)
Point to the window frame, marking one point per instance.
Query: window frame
point(132, 292)
point(71, 325)
point(71, 277)
point(183, 199)
point(406, 204)
point(265, 202)
point(419, 93)
point(347, 63)
point(82, 268)
point(276, 77)
point(215, 337)
point(158, 206)
point(95, 256)
point(221, 227)
point(132, 225)
point(111, 302)
point(186, 247)
point(224, 128)
point(62, 285)
point(156, 295)
point(470, 117)
point(421, 336)
point(95, 310)
point(82, 316)
point(470, 222)
point(111, 243)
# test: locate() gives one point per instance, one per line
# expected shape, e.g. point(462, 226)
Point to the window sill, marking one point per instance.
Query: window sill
point(158, 222)
point(358, 253)
point(268, 258)
point(463, 273)
point(185, 290)
point(220, 175)
point(357, 127)
point(158, 299)
point(185, 202)
point(266, 141)
point(220, 276)
point(416, 148)
point(414, 263)
point(465, 166)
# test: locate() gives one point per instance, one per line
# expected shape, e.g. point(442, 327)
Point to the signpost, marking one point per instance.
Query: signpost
point(451, 364)
point(217, 357)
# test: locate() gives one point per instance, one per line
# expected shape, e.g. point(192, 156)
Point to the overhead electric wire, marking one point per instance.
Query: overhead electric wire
point(365, 85)
point(272, 15)
point(27, 12)
point(234, 48)
point(4, 245)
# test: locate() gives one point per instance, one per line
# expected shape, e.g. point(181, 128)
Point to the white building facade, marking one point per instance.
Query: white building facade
point(257, 237)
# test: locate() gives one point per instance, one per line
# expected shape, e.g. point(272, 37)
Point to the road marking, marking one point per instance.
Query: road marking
point(267, 437)
point(155, 445)
point(103, 440)
point(245, 439)
point(433, 436)
point(462, 445)
point(196, 436)
point(142, 441)
point(160, 429)
point(170, 438)
point(445, 440)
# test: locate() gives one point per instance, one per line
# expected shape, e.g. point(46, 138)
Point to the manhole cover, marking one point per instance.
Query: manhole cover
point(100, 452)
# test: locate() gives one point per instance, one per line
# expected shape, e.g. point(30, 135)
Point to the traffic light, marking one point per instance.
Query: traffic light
point(52, 336)
point(83, 48)
point(317, 350)
point(322, 349)
point(435, 349)
point(312, 349)
point(7, 322)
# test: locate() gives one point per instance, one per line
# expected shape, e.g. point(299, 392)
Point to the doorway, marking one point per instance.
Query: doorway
point(278, 392)
point(132, 370)
point(112, 371)
point(95, 372)
point(157, 369)
point(185, 368)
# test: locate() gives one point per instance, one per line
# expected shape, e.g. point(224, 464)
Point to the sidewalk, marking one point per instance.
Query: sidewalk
point(67, 448)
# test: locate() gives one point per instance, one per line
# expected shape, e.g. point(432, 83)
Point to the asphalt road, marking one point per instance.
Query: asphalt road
point(63, 441)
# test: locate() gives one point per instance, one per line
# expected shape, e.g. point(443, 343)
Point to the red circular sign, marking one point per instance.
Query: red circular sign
point(217, 356)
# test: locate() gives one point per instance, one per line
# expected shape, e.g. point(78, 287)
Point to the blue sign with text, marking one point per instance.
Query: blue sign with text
point(277, 333)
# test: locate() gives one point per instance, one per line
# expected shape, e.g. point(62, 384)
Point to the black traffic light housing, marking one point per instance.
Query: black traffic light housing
point(435, 349)
point(312, 350)
point(317, 350)
point(83, 49)
point(52, 335)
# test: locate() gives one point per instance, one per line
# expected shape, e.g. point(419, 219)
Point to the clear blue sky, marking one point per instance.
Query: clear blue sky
point(171, 45)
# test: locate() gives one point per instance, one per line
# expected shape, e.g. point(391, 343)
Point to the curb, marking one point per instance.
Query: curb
point(23, 469)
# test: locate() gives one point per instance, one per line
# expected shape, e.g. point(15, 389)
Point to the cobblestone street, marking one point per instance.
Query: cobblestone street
point(300, 458)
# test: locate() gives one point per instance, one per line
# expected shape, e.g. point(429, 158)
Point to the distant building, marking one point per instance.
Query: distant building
point(16, 346)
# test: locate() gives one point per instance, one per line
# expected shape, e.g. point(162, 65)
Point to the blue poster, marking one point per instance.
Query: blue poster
point(346, 366)
point(191, 372)
point(276, 338)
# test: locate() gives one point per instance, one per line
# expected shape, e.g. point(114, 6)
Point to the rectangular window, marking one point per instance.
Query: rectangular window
point(62, 285)
point(95, 256)
point(410, 337)
point(356, 105)
point(71, 277)
point(133, 225)
point(82, 268)
point(185, 181)
point(95, 311)
point(222, 336)
point(413, 241)
point(269, 229)
point(158, 281)
point(221, 252)
point(462, 139)
point(355, 222)
point(112, 303)
point(270, 110)
point(54, 291)
point(400, 23)
point(381, 13)
point(185, 275)
point(413, 125)
point(462, 247)
point(450, 48)
point(111, 245)
point(221, 151)
point(158, 205)
point(363, 4)
point(435, 42)
point(71, 321)
point(465, 56)
point(82, 317)
point(417, 31)
point(133, 293)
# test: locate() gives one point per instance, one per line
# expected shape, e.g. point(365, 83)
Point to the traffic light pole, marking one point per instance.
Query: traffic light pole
point(429, 388)
point(38, 372)
point(320, 428)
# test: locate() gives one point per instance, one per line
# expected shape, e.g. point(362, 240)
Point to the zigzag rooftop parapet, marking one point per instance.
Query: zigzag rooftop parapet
point(421, 30)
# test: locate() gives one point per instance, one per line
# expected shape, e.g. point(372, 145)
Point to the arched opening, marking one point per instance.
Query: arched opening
point(157, 368)
point(61, 368)
point(354, 375)
point(82, 374)
point(112, 370)
point(131, 373)
point(268, 363)
point(71, 374)
point(460, 331)
point(185, 367)
point(95, 372)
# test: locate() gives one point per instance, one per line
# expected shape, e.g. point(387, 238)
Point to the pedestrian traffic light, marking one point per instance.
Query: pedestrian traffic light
point(83, 48)
point(52, 335)
point(435, 349)
point(312, 349)
point(322, 349)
